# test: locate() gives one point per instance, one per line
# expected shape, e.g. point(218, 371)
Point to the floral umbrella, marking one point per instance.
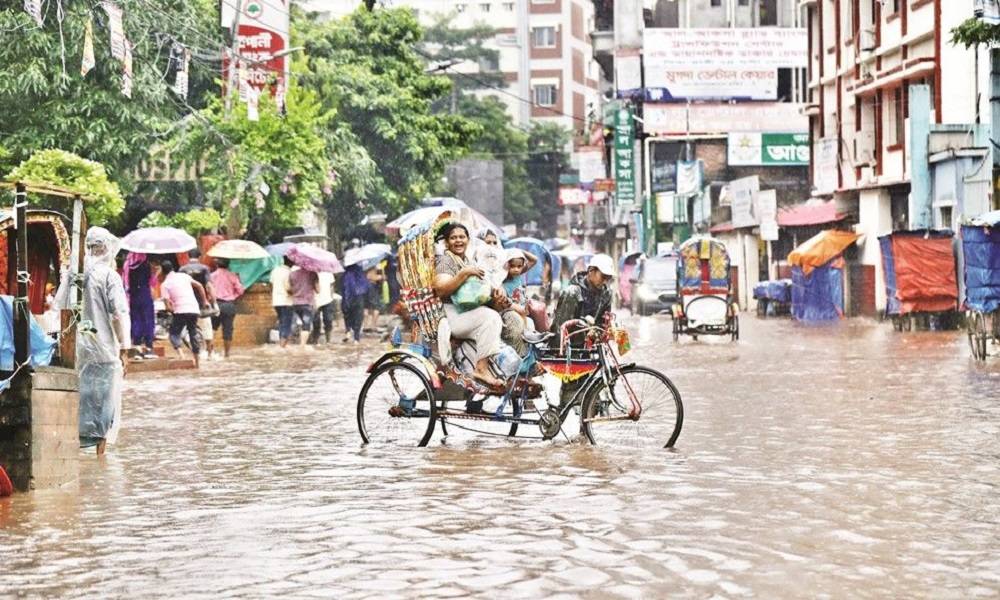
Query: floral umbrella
point(313, 258)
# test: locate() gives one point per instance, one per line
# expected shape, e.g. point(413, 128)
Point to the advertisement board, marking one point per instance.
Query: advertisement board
point(825, 170)
point(590, 164)
point(722, 118)
point(263, 32)
point(741, 192)
point(752, 149)
point(570, 196)
point(624, 156)
point(719, 63)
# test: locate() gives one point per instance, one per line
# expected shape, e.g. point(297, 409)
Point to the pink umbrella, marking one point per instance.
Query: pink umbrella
point(158, 240)
point(313, 258)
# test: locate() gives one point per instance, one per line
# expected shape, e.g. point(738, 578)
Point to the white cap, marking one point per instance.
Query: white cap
point(603, 263)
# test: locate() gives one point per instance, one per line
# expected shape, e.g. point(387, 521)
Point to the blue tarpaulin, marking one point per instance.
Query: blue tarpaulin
point(981, 247)
point(780, 290)
point(760, 290)
point(42, 346)
point(893, 305)
point(818, 296)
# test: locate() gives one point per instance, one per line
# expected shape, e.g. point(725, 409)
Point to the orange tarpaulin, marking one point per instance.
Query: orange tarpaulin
point(925, 273)
point(820, 248)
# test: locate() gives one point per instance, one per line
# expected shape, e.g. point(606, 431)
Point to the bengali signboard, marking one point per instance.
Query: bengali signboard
point(571, 196)
point(263, 32)
point(752, 149)
point(624, 156)
point(719, 63)
point(722, 118)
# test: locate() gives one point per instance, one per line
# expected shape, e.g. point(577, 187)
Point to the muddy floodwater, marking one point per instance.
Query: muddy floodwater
point(840, 462)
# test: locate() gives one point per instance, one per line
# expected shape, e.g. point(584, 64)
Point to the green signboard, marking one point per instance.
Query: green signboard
point(754, 149)
point(624, 158)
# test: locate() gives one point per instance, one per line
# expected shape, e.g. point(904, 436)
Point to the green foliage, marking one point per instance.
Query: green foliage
point(103, 200)
point(444, 44)
point(45, 105)
point(547, 158)
point(263, 173)
point(195, 222)
point(974, 32)
point(365, 70)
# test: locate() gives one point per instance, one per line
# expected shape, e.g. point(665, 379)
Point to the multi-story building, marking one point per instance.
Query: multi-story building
point(896, 117)
point(557, 79)
point(716, 84)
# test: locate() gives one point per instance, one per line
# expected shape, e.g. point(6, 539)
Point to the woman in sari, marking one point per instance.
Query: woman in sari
point(482, 324)
point(138, 278)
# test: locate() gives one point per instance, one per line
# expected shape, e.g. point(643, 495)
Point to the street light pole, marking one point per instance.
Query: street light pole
point(233, 74)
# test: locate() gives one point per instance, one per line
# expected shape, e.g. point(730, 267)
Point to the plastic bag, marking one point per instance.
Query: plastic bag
point(471, 295)
point(506, 363)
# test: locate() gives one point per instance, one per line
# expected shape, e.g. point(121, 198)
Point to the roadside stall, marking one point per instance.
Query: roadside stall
point(920, 280)
point(818, 276)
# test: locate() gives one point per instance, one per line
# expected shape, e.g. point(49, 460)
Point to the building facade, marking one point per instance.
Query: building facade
point(557, 79)
point(898, 118)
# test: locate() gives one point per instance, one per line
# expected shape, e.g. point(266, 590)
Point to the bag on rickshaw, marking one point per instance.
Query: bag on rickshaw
point(471, 295)
point(503, 365)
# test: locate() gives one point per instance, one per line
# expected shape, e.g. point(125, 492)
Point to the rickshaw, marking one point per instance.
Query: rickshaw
point(981, 251)
point(704, 285)
point(416, 384)
point(920, 282)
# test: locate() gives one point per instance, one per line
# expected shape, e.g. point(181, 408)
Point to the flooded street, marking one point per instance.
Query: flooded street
point(845, 461)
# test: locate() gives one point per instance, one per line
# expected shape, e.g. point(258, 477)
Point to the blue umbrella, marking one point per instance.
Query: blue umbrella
point(279, 250)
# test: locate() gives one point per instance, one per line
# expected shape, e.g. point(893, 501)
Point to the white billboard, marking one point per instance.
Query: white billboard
point(710, 63)
point(723, 118)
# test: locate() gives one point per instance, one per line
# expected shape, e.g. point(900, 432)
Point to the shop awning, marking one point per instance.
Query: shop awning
point(802, 215)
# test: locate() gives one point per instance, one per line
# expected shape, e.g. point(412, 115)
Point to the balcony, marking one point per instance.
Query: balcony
point(604, 49)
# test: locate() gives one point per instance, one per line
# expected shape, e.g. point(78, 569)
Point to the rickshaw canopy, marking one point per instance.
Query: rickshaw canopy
point(704, 265)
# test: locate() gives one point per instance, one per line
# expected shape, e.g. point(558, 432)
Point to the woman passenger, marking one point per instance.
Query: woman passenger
point(482, 324)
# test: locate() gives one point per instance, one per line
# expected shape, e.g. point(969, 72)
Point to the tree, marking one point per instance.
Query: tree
point(499, 140)
point(547, 159)
point(974, 32)
point(64, 169)
point(390, 148)
point(445, 45)
point(46, 103)
point(262, 174)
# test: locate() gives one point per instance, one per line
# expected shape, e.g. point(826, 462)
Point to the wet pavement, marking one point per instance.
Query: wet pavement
point(846, 461)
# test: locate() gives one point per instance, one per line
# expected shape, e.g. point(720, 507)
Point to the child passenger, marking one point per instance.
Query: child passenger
point(515, 317)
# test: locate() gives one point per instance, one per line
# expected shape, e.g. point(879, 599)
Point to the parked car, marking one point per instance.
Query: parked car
point(654, 285)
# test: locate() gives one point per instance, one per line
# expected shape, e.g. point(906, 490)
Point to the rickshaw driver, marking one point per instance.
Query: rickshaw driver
point(587, 295)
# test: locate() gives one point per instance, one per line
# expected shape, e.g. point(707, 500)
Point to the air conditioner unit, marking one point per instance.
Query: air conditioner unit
point(864, 150)
point(866, 40)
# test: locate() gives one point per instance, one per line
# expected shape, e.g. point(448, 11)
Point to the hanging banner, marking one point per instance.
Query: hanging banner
point(665, 204)
point(115, 27)
point(88, 62)
point(741, 192)
point(689, 177)
point(720, 63)
point(752, 149)
point(181, 79)
point(34, 8)
point(127, 71)
point(624, 159)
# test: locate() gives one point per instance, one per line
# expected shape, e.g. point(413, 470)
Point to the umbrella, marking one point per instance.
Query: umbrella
point(279, 250)
point(312, 258)
point(238, 249)
point(368, 253)
point(158, 240)
point(536, 247)
point(461, 212)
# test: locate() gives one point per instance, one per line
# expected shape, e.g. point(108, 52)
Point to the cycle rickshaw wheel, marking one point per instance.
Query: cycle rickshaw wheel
point(396, 406)
point(608, 418)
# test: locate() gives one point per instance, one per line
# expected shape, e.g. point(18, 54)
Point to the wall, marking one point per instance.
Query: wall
point(479, 183)
point(875, 219)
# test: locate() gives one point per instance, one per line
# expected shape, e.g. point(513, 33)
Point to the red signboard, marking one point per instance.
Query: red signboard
point(257, 47)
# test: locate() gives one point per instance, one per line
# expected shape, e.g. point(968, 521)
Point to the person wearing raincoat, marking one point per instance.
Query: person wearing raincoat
point(103, 338)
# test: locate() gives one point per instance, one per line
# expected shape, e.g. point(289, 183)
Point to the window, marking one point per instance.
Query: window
point(489, 63)
point(484, 7)
point(894, 122)
point(716, 2)
point(544, 37)
point(545, 95)
point(891, 6)
point(508, 6)
point(459, 7)
point(744, 2)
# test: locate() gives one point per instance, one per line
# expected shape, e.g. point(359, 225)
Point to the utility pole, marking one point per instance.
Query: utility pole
point(21, 329)
point(524, 64)
point(233, 75)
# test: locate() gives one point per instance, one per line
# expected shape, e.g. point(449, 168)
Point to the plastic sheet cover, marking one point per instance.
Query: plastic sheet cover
point(925, 272)
point(892, 305)
point(780, 290)
point(820, 249)
point(42, 346)
point(818, 296)
point(981, 247)
point(252, 271)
